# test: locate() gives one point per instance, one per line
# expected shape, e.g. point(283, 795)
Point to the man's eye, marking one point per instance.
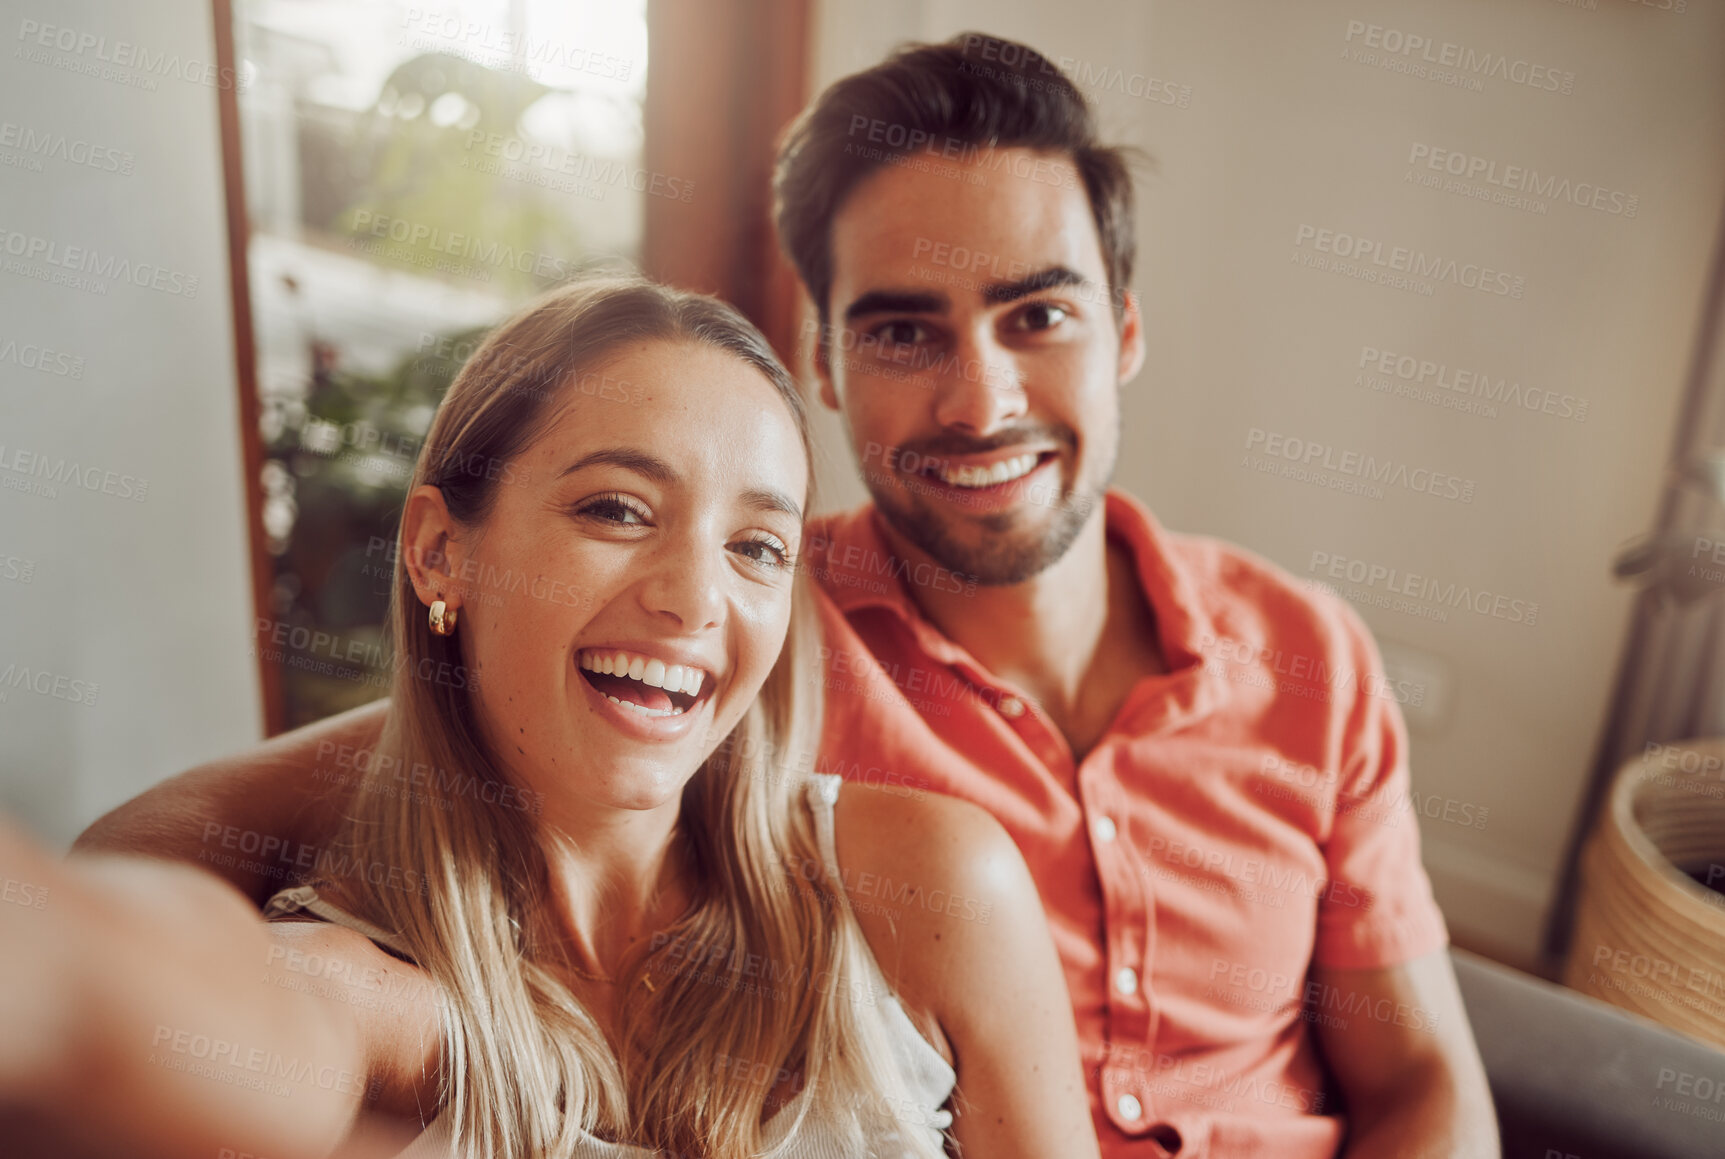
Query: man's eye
point(901, 333)
point(1041, 316)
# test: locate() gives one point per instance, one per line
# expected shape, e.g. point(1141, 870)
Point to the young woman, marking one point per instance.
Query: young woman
point(589, 901)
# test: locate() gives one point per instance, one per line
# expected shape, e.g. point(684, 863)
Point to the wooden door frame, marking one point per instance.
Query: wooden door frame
point(724, 79)
point(274, 708)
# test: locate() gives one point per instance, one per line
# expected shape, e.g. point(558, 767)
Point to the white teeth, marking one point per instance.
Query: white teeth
point(653, 672)
point(977, 476)
point(643, 709)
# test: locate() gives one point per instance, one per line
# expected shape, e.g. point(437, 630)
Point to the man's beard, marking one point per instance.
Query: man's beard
point(1003, 553)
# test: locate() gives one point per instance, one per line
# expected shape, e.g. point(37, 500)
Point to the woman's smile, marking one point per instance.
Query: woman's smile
point(649, 692)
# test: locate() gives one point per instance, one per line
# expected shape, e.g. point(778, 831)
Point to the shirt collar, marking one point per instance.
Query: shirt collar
point(1191, 689)
point(858, 569)
point(1182, 621)
point(854, 565)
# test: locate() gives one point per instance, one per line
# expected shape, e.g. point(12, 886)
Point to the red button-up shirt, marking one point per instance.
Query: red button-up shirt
point(1245, 816)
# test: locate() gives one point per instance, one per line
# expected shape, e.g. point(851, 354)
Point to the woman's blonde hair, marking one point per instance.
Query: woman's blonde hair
point(768, 974)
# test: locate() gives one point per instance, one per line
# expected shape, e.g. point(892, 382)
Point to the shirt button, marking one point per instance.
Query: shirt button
point(1011, 707)
point(1126, 980)
point(1105, 830)
point(1130, 1108)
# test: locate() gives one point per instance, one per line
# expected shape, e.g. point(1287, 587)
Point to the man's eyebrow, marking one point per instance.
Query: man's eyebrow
point(641, 462)
point(896, 302)
point(766, 499)
point(1044, 279)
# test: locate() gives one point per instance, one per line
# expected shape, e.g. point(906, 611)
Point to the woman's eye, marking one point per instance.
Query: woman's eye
point(763, 551)
point(614, 509)
point(1041, 316)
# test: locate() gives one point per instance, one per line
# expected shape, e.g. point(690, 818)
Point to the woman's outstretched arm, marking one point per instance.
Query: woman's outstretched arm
point(955, 921)
point(149, 1012)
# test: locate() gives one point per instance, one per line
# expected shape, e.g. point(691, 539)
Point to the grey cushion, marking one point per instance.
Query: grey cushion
point(1574, 1078)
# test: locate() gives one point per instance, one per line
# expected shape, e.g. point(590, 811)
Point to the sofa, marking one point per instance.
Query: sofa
point(1574, 1078)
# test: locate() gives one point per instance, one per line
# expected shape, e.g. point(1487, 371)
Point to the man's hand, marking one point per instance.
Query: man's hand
point(1399, 1044)
point(235, 817)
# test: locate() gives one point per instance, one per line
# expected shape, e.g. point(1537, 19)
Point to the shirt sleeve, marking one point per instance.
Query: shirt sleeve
point(1378, 909)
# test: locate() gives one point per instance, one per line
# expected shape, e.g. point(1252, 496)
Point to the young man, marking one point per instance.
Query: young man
point(1201, 760)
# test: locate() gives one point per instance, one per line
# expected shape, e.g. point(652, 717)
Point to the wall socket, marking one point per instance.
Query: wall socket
point(1426, 678)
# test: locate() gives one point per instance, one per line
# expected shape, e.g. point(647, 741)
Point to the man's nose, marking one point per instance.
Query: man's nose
point(981, 390)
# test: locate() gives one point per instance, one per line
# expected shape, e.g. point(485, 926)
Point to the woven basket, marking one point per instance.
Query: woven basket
point(1648, 938)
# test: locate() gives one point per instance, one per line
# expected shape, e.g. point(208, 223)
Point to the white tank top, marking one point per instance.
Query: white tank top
point(928, 1079)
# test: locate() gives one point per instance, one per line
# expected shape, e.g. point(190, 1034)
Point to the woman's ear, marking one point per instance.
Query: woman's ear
point(431, 550)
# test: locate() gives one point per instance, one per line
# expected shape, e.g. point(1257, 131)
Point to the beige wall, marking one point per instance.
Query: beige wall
point(129, 646)
point(1279, 129)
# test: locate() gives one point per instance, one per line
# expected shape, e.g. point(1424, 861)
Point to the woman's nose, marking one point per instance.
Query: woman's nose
point(686, 585)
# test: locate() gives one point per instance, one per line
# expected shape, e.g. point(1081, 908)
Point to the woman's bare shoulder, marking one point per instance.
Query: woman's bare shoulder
point(926, 840)
point(939, 889)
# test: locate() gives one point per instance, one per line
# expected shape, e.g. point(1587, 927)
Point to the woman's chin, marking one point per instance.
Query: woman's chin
point(628, 784)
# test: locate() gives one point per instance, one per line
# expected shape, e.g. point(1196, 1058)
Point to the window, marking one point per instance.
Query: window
point(411, 175)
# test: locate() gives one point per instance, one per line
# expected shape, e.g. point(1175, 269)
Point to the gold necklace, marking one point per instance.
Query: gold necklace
point(592, 977)
point(645, 980)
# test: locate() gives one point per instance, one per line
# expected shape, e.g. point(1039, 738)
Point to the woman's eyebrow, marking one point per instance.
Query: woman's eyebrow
point(766, 499)
point(652, 467)
point(641, 462)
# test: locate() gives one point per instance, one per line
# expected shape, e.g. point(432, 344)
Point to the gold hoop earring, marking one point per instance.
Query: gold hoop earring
point(442, 618)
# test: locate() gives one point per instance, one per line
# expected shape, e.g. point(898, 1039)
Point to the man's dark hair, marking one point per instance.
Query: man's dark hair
point(971, 92)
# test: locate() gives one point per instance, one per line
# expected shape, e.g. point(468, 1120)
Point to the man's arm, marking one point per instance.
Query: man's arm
point(1396, 1036)
point(1403, 1053)
point(246, 818)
